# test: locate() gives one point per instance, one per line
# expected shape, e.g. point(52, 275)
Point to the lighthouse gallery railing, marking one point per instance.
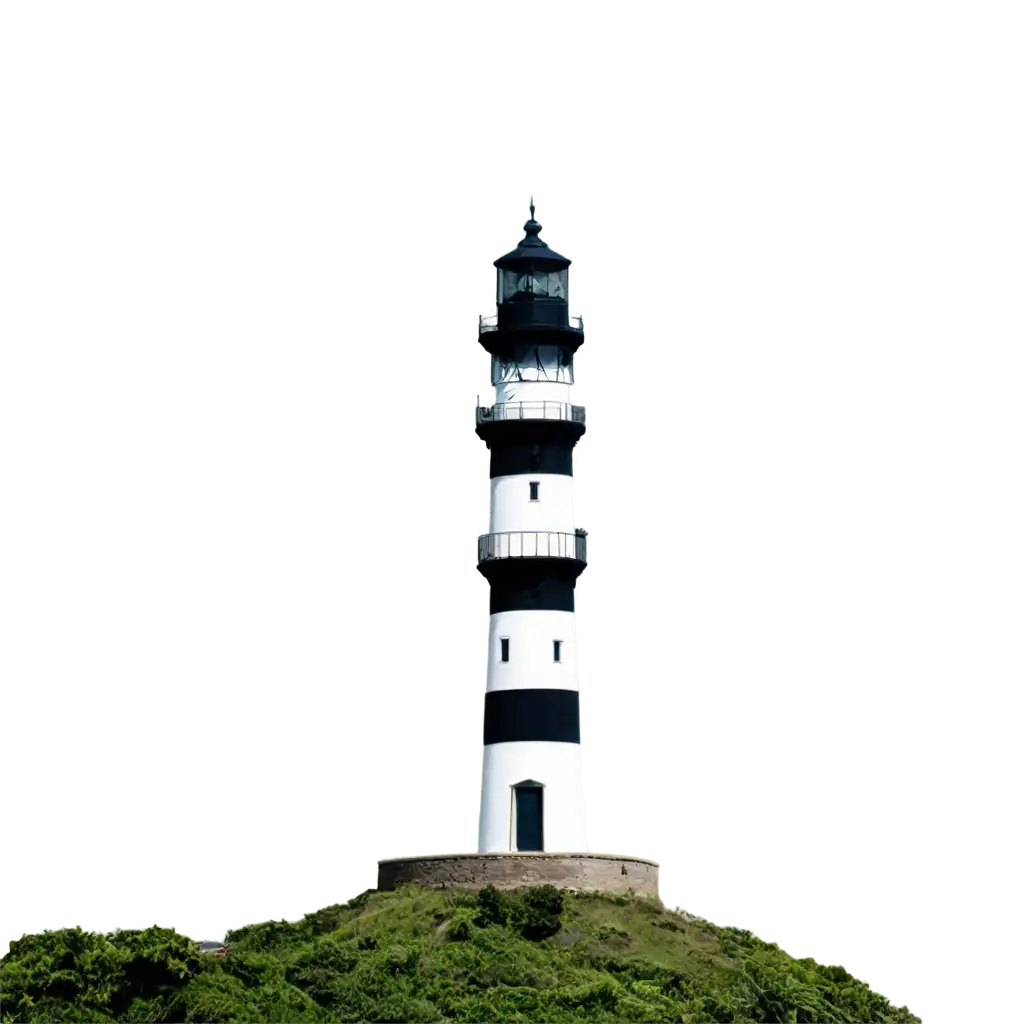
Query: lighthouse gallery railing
point(539, 410)
point(526, 544)
point(487, 322)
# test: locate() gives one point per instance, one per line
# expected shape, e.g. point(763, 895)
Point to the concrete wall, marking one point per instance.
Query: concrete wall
point(586, 872)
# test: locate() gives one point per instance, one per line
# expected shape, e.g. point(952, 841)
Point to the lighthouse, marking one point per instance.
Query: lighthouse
point(532, 792)
point(532, 829)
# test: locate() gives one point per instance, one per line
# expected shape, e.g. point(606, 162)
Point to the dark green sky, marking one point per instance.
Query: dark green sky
point(239, 252)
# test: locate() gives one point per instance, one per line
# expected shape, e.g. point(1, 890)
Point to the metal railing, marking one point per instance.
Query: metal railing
point(490, 323)
point(539, 410)
point(525, 544)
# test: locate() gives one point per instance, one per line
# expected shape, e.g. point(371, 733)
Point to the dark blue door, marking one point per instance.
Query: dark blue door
point(529, 818)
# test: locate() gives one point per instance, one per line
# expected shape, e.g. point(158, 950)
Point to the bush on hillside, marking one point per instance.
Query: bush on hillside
point(426, 955)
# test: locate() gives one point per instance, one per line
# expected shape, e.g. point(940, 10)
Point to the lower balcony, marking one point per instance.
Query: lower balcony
point(523, 544)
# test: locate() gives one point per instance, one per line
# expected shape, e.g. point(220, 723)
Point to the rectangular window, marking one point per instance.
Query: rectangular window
point(558, 650)
point(504, 648)
point(534, 490)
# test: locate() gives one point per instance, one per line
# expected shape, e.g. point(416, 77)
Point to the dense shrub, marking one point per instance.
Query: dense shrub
point(535, 913)
point(75, 975)
point(424, 955)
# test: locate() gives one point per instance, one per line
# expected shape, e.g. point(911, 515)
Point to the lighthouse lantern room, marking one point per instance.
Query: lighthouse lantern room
point(532, 792)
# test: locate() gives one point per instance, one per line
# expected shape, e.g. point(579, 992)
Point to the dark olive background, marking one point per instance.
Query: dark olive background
point(240, 248)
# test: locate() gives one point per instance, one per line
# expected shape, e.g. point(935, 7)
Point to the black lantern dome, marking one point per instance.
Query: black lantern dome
point(533, 294)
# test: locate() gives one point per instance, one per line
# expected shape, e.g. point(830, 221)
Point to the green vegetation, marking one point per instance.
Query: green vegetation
point(427, 955)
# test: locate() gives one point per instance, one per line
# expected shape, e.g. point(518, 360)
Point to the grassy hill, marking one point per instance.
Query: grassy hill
point(426, 955)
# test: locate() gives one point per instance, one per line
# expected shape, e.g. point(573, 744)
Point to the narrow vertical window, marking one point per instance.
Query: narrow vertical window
point(504, 648)
point(558, 650)
point(534, 490)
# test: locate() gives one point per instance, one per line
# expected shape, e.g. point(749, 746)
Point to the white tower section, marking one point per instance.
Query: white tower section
point(532, 792)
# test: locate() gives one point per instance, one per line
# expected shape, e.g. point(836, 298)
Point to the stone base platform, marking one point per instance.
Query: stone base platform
point(587, 872)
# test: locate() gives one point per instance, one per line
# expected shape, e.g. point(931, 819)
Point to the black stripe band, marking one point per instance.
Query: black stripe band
point(514, 458)
point(521, 584)
point(522, 715)
point(805, 720)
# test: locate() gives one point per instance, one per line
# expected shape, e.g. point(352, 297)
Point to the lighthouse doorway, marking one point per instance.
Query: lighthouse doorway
point(529, 815)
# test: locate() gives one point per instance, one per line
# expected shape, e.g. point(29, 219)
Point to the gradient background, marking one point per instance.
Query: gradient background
point(240, 247)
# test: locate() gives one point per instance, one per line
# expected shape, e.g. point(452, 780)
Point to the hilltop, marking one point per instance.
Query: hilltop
point(428, 955)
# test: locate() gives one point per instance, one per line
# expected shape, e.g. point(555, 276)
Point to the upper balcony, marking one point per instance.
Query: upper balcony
point(504, 412)
point(501, 328)
point(497, 318)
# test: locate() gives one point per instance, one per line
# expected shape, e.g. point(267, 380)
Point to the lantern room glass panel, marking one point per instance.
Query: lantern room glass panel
point(525, 283)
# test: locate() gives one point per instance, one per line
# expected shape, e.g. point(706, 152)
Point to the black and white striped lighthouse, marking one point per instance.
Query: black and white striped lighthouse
point(532, 793)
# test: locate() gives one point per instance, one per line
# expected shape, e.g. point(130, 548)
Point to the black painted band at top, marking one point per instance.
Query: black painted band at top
point(551, 716)
point(516, 431)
